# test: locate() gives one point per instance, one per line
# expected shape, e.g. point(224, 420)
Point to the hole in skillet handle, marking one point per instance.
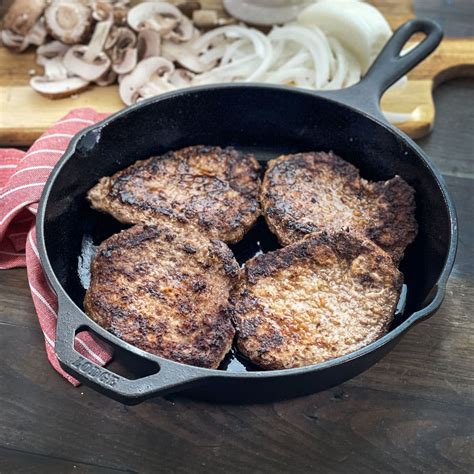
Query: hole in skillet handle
point(166, 376)
point(389, 67)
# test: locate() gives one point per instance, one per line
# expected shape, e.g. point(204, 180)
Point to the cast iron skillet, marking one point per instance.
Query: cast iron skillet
point(267, 120)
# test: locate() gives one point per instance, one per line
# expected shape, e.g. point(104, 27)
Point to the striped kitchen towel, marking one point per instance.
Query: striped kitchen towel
point(22, 178)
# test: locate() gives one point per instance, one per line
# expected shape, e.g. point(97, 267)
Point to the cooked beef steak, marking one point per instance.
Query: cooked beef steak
point(322, 297)
point(311, 192)
point(166, 292)
point(211, 188)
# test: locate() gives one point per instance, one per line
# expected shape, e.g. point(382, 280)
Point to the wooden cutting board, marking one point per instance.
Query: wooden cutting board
point(24, 114)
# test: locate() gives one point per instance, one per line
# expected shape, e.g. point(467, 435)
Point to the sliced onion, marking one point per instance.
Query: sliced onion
point(313, 43)
point(342, 63)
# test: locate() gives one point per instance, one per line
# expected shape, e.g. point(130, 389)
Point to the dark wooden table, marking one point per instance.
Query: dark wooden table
point(413, 412)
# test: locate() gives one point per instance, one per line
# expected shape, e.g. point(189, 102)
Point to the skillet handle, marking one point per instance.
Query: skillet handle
point(171, 376)
point(389, 66)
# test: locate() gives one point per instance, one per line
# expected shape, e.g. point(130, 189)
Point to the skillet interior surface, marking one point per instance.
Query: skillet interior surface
point(267, 121)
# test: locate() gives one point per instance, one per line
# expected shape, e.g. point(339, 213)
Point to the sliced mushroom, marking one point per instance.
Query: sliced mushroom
point(183, 31)
point(162, 17)
point(127, 63)
point(187, 7)
point(155, 86)
point(54, 69)
point(22, 16)
point(37, 34)
point(13, 40)
point(149, 44)
point(58, 89)
point(110, 77)
point(148, 70)
point(69, 21)
point(205, 18)
point(102, 10)
point(181, 78)
point(90, 62)
point(186, 56)
point(121, 49)
point(51, 50)
point(19, 43)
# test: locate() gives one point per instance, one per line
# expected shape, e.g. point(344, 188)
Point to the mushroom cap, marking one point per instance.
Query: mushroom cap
point(89, 71)
point(58, 89)
point(131, 84)
point(69, 21)
point(23, 15)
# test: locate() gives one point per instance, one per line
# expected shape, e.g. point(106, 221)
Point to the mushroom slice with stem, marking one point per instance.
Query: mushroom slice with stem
point(121, 47)
point(148, 70)
point(149, 44)
point(162, 17)
point(189, 58)
point(110, 77)
point(102, 10)
point(37, 34)
point(158, 16)
point(60, 88)
point(54, 69)
point(51, 50)
point(181, 78)
point(182, 32)
point(19, 43)
point(90, 62)
point(69, 21)
point(23, 15)
point(13, 40)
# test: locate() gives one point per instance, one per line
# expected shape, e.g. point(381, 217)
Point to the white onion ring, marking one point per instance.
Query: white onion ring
point(313, 43)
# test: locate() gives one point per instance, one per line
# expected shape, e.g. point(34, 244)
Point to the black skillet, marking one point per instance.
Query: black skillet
point(267, 120)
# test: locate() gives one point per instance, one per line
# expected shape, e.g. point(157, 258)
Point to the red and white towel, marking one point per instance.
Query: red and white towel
point(22, 178)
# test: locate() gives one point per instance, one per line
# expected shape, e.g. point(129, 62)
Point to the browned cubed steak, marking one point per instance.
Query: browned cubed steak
point(312, 192)
point(320, 298)
point(165, 291)
point(210, 188)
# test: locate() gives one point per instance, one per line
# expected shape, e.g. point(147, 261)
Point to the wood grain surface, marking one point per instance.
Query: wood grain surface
point(24, 114)
point(411, 413)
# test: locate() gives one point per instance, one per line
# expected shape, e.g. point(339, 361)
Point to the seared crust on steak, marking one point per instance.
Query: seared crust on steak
point(166, 292)
point(211, 188)
point(312, 192)
point(325, 296)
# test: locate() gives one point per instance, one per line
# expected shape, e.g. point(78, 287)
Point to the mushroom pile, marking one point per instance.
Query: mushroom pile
point(156, 46)
point(84, 42)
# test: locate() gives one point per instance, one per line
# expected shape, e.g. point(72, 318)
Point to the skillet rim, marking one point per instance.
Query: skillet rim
point(439, 287)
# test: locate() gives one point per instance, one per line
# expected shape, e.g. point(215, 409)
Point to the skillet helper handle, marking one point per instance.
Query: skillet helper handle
point(171, 376)
point(390, 66)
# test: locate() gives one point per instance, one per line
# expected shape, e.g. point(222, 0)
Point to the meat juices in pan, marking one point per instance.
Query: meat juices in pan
point(166, 292)
point(312, 192)
point(212, 189)
point(325, 296)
